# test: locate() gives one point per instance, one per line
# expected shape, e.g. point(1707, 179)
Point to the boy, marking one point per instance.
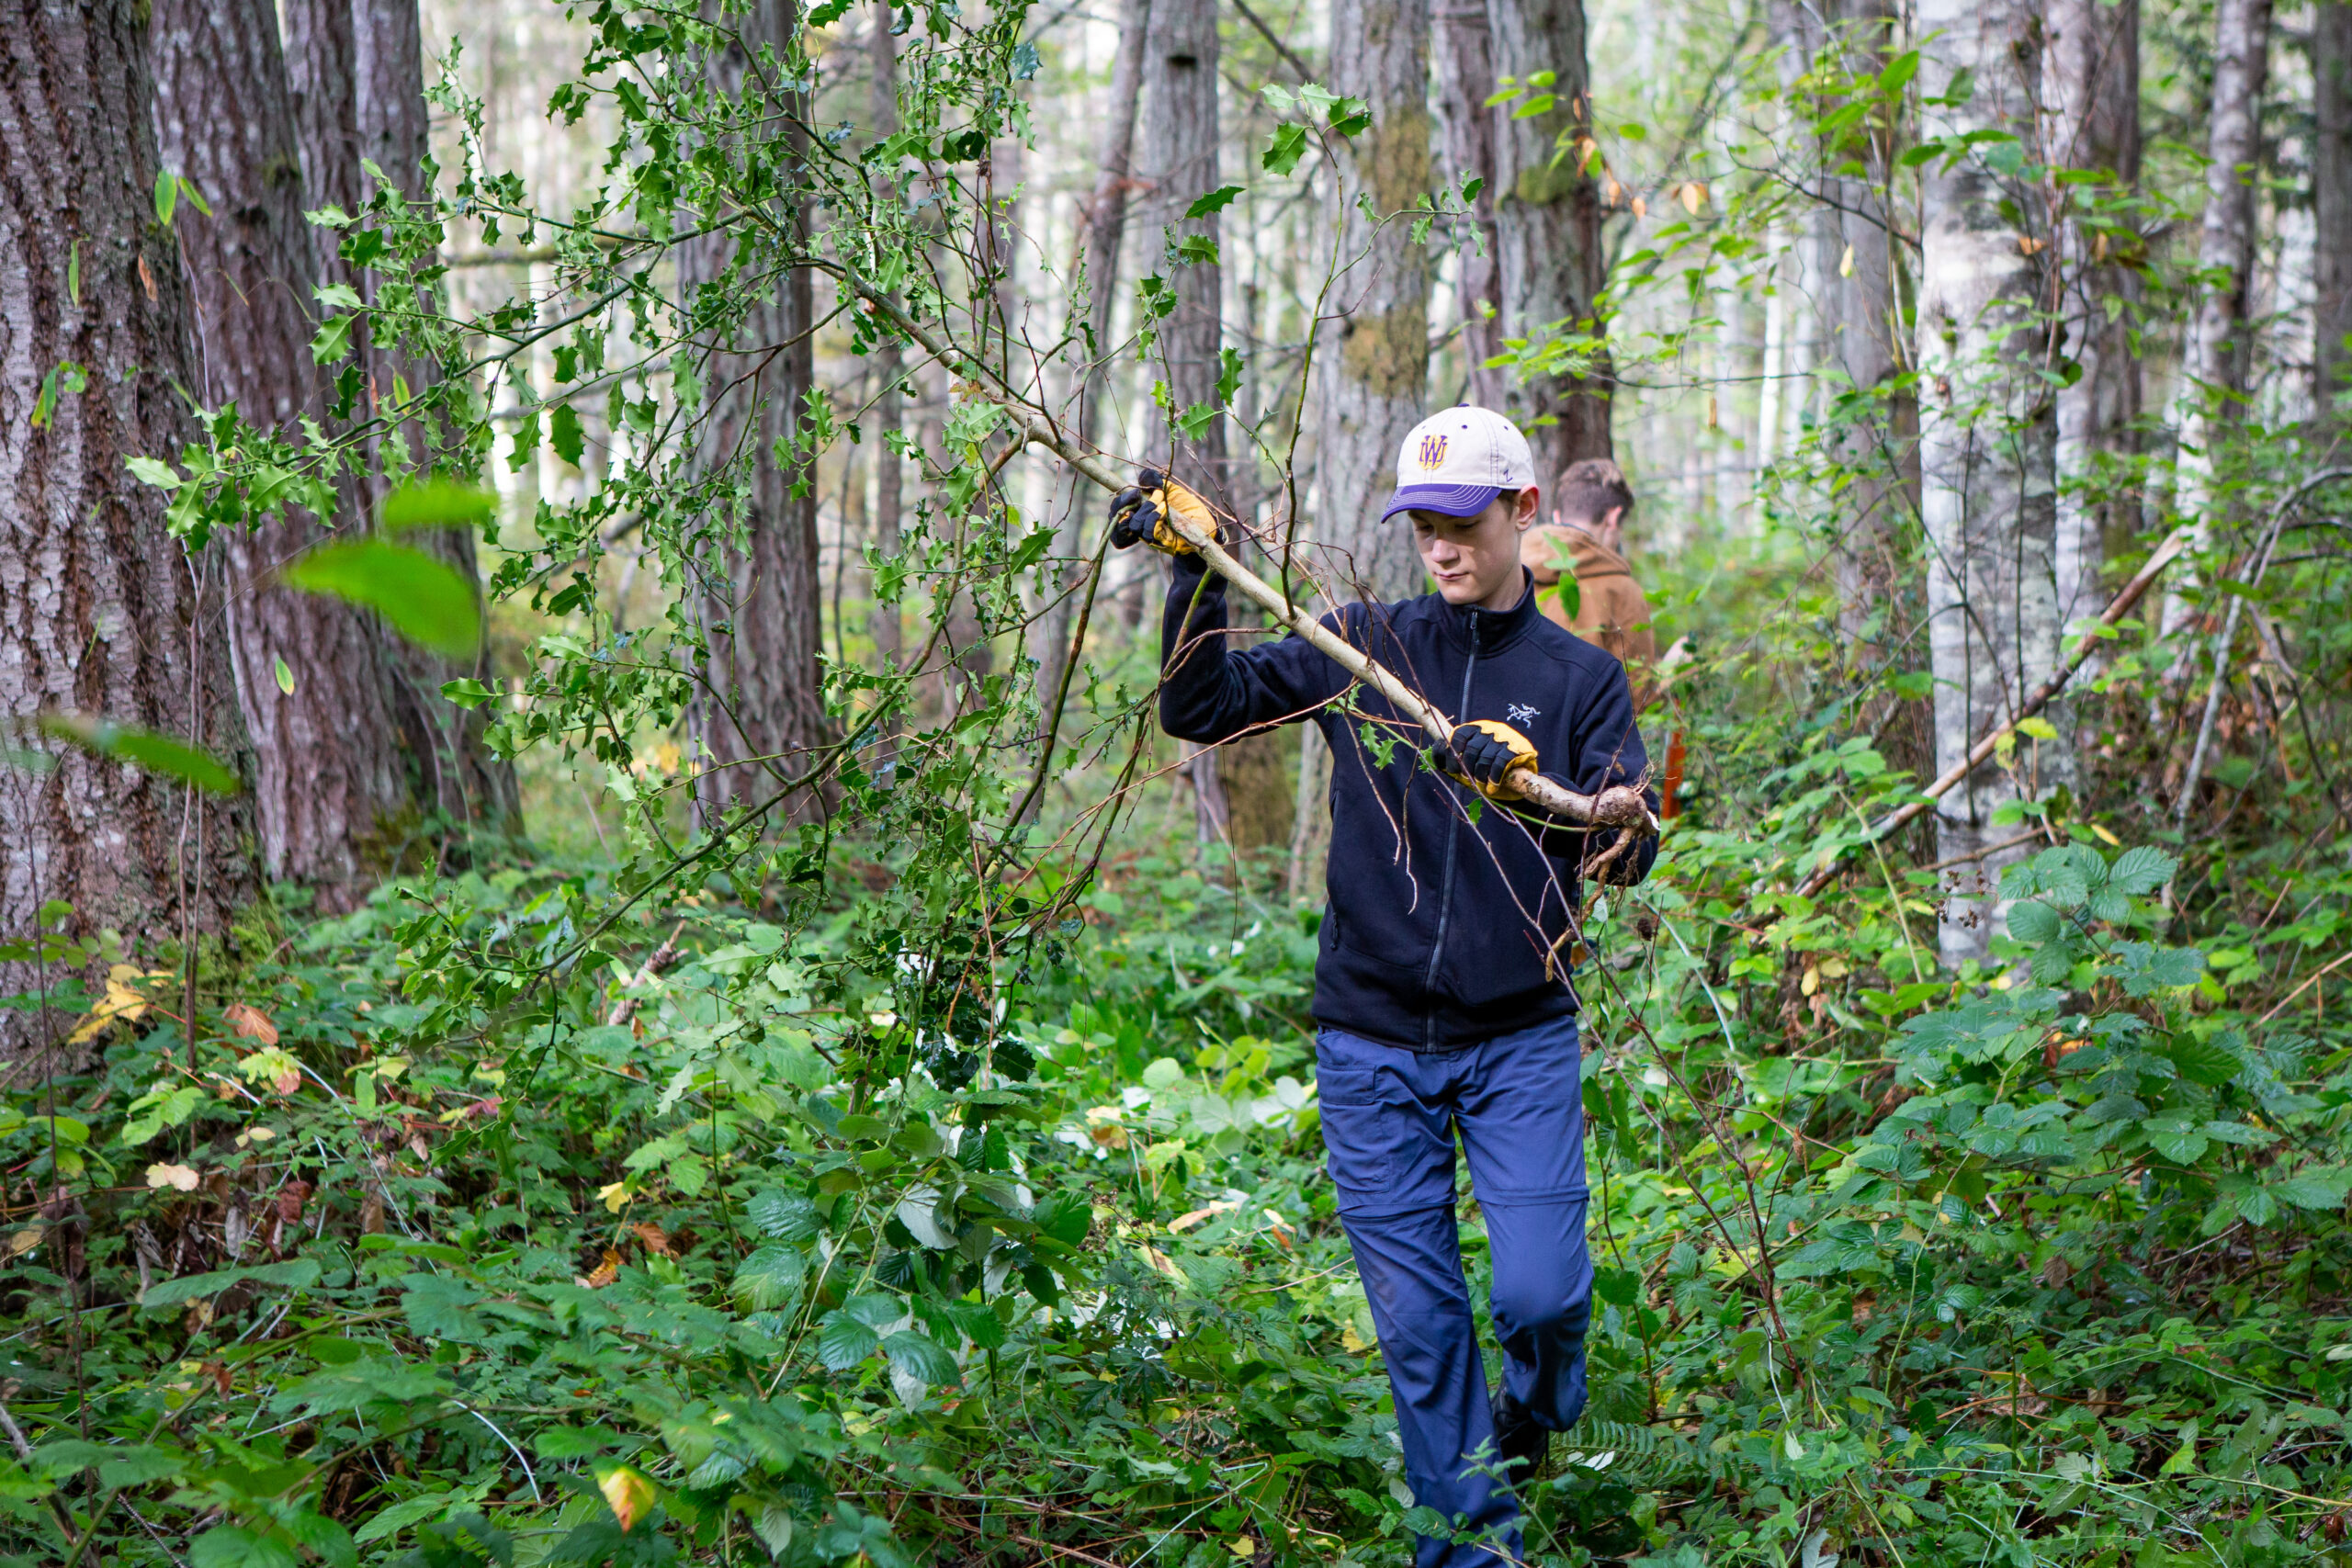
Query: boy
point(1442, 984)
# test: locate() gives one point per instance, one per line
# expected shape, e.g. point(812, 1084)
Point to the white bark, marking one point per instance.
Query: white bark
point(1987, 436)
point(2219, 347)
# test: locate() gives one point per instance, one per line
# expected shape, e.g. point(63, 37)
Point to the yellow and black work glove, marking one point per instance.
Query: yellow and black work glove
point(1487, 752)
point(1140, 514)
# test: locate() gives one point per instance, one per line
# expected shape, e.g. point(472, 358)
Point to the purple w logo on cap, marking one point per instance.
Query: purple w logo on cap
point(1480, 453)
point(1433, 451)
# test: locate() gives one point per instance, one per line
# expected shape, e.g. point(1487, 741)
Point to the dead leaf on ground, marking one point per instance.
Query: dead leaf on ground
point(248, 1022)
point(183, 1176)
point(656, 1239)
point(604, 1274)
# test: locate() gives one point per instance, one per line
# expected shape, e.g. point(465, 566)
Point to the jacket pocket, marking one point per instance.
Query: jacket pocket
point(1358, 1130)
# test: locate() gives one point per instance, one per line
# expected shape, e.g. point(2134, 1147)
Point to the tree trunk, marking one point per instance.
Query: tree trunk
point(465, 782)
point(1374, 358)
point(1548, 214)
point(2331, 208)
point(2090, 93)
point(328, 778)
point(886, 626)
point(1177, 163)
point(763, 710)
point(1105, 233)
point(1988, 431)
point(2221, 342)
point(100, 609)
point(1462, 48)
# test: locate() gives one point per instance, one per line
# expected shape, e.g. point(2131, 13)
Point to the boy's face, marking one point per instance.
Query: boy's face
point(1475, 560)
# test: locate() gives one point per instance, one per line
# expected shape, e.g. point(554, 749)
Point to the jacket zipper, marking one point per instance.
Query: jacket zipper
point(1453, 833)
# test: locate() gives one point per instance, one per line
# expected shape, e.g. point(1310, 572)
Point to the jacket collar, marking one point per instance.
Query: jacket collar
point(1487, 631)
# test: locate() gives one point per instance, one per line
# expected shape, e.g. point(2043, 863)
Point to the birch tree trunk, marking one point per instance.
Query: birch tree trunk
point(887, 624)
point(1986, 437)
point(1462, 49)
point(762, 709)
point(2332, 208)
point(100, 609)
point(2090, 94)
point(329, 783)
point(1374, 358)
point(458, 773)
point(1547, 212)
point(2221, 346)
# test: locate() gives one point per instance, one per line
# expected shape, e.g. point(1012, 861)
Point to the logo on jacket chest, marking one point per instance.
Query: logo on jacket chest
point(1519, 713)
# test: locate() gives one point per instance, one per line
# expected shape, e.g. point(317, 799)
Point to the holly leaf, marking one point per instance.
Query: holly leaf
point(1216, 201)
point(567, 435)
point(426, 600)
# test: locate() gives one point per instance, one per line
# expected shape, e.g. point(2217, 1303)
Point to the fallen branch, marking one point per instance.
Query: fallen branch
point(662, 958)
point(1619, 806)
point(2121, 606)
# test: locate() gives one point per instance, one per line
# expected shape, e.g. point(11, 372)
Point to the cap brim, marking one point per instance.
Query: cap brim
point(1451, 500)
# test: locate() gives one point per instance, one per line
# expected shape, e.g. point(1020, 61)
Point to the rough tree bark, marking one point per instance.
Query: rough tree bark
point(459, 775)
point(2331, 205)
point(2221, 346)
point(1547, 212)
point(761, 590)
point(2090, 94)
point(328, 775)
point(1461, 49)
point(1987, 430)
point(1176, 163)
point(1375, 356)
point(100, 609)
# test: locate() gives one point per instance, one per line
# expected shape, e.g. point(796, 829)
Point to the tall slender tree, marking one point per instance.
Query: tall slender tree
point(310, 671)
point(464, 780)
point(762, 709)
point(2331, 208)
point(1103, 235)
point(1461, 49)
point(887, 626)
point(2090, 93)
point(1987, 430)
point(101, 612)
point(1547, 212)
point(1375, 356)
point(1177, 163)
point(2221, 342)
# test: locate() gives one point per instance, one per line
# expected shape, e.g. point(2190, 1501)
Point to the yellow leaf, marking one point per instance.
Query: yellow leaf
point(615, 1196)
point(1694, 196)
point(1185, 1221)
point(1812, 981)
point(1641, 208)
point(180, 1176)
point(2111, 838)
point(630, 1494)
point(1846, 263)
point(121, 1004)
point(24, 1241)
point(1352, 1342)
point(606, 1272)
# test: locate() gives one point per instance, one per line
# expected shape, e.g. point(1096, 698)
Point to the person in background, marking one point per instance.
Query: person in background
point(1587, 530)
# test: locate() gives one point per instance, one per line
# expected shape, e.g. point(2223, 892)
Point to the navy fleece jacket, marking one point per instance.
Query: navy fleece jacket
point(1442, 931)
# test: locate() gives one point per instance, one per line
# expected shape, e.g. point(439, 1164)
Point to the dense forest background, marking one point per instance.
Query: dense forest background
point(606, 961)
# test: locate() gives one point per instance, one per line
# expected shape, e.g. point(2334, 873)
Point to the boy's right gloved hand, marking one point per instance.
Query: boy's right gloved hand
point(1487, 751)
point(1140, 514)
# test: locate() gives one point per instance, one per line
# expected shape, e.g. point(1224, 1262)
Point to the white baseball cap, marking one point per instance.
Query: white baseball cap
point(1457, 462)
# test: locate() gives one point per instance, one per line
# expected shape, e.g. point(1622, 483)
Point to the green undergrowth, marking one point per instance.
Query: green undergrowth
point(784, 1255)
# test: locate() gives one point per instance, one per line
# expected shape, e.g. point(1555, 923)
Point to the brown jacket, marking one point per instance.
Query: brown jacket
point(1614, 614)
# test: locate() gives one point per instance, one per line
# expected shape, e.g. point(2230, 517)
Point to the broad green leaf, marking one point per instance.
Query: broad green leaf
point(229, 1547)
point(371, 1380)
point(2142, 870)
point(2322, 1187)
point(400, 1516)
point(771, 1276)
point(439, 503)
point(787, 1216)
point(919, 1356)
point(1216, 201)
point(284, 672)
point(567, 435)
point(294, 1274)
point(844, 1342)
point(1284, 149)
point(144, 748)
point(425, 599)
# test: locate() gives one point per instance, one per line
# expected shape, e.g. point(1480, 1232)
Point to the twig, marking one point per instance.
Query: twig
point(663, 957)
point(2321, 974)
point(2121, 607)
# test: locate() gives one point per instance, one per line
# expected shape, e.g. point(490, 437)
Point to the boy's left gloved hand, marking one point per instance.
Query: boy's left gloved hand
point(1486, 752)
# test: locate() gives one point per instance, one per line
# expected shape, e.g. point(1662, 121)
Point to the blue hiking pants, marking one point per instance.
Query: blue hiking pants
point(1389, 1120)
